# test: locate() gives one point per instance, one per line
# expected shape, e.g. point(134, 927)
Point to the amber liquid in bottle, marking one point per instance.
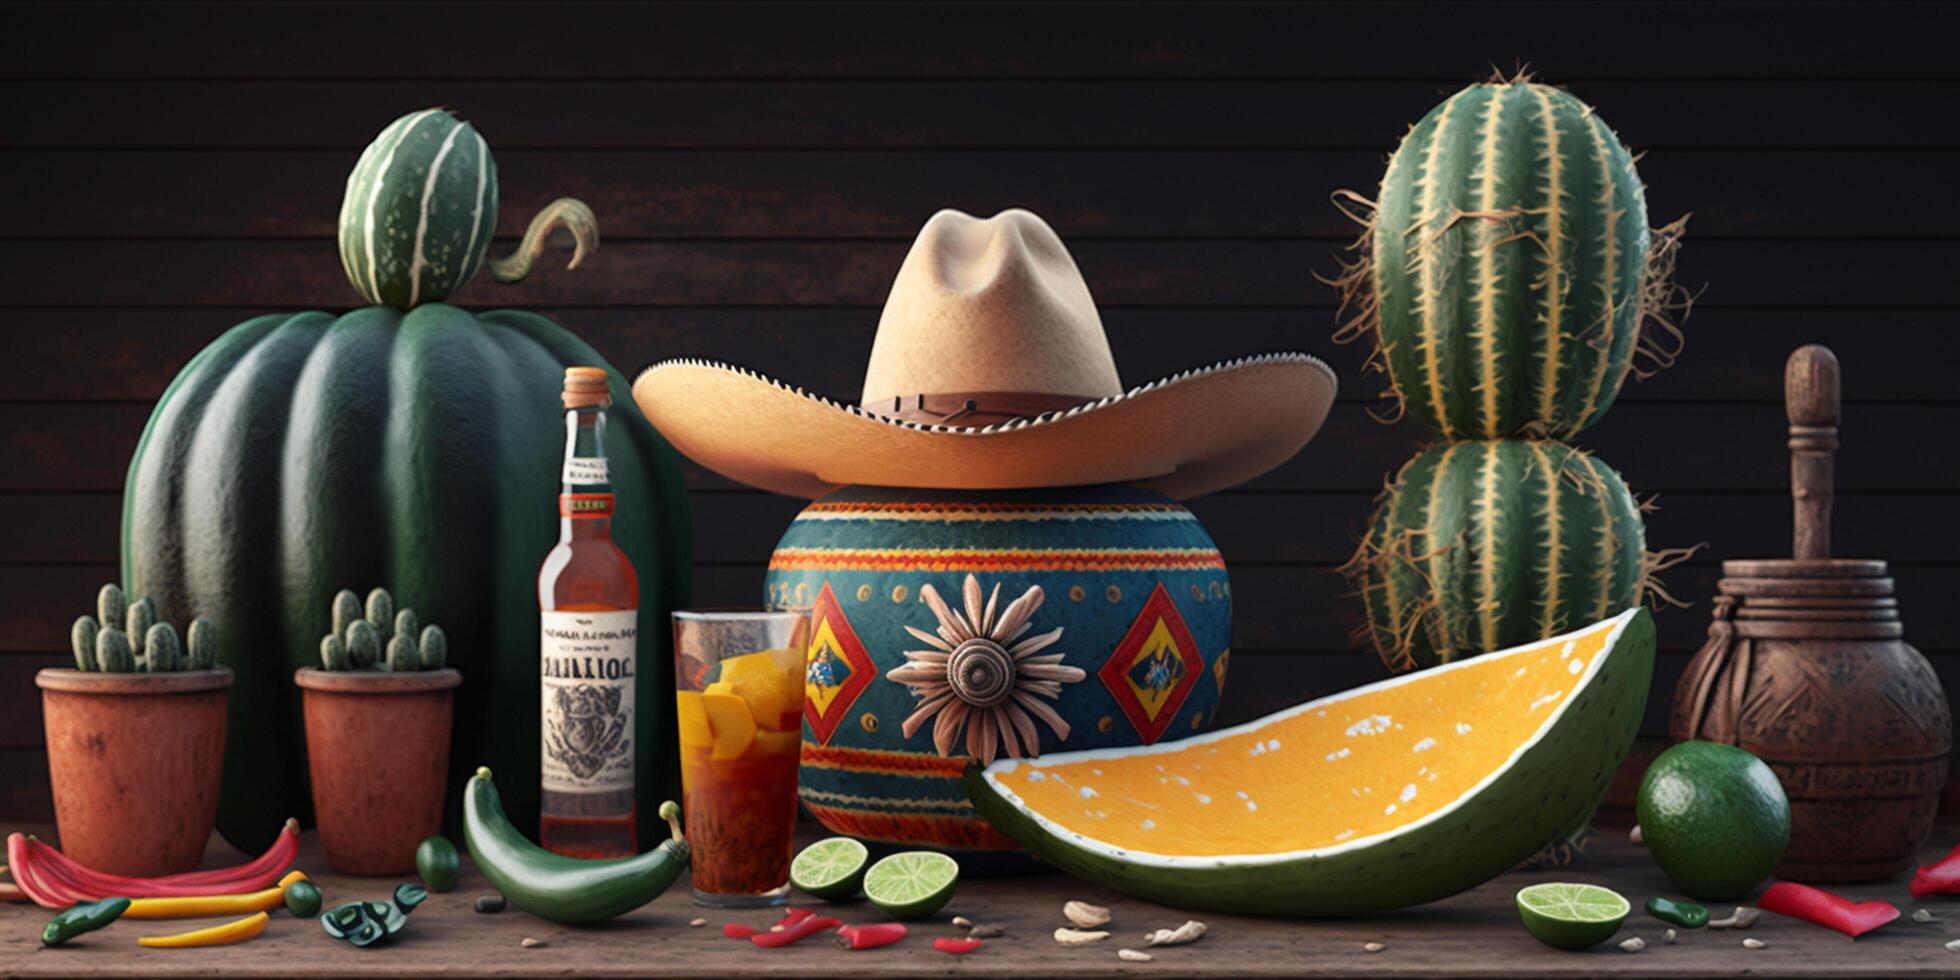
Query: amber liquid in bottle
point(588, 601)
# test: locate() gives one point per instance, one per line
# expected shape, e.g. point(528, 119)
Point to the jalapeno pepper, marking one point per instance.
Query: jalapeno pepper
point(1687, 915)
point(1823, 908)
point(871, 936)
point(803, 929)
point(81, 918)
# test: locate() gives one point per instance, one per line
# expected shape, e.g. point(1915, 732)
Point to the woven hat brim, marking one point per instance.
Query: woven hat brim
point(1186, 435)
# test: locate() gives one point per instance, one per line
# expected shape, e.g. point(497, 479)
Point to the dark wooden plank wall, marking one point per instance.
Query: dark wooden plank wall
point(759, 171)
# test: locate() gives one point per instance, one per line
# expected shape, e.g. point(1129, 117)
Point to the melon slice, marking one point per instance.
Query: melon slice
point(1392, 794)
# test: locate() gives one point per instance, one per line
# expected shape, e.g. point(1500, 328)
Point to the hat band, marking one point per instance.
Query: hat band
point(975, 409)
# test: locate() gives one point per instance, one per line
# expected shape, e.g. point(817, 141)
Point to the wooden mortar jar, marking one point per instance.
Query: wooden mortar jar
point(1807, 667)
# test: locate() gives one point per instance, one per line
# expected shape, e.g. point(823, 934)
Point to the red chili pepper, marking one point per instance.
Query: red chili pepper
point(736, 930)
point(1940, 877)
point(803, 929)
point(791, 916)
point(871, 936)
point(1818, 906)
point(957, 947)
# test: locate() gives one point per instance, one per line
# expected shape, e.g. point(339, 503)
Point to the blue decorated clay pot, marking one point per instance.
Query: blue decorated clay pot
point(1095, 617)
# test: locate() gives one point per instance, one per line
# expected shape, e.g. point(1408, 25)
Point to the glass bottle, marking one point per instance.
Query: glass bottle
point(588, 602)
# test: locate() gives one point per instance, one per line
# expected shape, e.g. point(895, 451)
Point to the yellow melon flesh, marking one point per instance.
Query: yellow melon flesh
point(775, 697)
point(733, 726)
point(695, 731)
point(1375, 760)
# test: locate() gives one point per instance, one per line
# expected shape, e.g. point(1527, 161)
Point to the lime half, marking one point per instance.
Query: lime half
point(912, 884)
point(831, 869)
point(1572, 916)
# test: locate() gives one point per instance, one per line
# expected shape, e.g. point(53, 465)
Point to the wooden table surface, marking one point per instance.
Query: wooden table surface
point(1474, 934)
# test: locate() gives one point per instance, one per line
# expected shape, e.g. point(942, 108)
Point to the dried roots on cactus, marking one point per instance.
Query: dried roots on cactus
point(123, 637)
point(376, 635)
point(1487, 544)
point(1506, 272)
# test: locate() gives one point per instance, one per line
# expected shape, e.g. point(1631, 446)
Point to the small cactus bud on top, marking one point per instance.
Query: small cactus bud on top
point(346, 609)
point(81, 637)
point(406, 624)
point(435, 647)
point(110, 605)
point(381, 612)
point(163, 650)
point(202, 644)
point(112, 652)
point(402, 655)
point(137, 621)
point(363, 644)
point(333, 654)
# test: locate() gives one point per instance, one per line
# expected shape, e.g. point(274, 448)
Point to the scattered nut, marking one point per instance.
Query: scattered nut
point(962, 922)
point(529, 943)
point(1668, 936)
point(985, 932)
point(1953, 944)
point(1079, 937)
point(696, 923)
point(1922, 915)
point(1753, 943)
point(1134, 955)
point(1085, 916)
point(1635, 837)
point(1742, 918)
point(1372, 947)
point(1634, 944)
point(1186, 933)
point(489, 903)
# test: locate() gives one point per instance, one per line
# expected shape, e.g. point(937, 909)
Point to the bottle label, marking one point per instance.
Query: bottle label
point(586, 660)
point(585, 506)
point(586, 471)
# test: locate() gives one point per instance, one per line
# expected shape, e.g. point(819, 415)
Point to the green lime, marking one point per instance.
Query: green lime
point(831, 869)
point(1715, 818)
point(1571, 916)
point(912, 884)
point(437, 863)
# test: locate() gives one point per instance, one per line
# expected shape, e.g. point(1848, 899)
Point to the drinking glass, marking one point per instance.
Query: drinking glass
point(738, 678)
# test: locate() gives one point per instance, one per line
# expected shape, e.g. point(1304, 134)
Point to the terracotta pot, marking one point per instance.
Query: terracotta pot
point(377, 749)
point(136, 761)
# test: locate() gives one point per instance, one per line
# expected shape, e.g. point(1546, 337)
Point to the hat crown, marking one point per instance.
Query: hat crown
point(989, 305)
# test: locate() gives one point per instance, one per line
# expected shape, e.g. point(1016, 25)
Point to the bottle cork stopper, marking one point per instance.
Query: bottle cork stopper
point(585, 387)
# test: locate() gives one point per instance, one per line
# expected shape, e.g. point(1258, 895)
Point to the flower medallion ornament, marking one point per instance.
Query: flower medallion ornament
point(981, 675)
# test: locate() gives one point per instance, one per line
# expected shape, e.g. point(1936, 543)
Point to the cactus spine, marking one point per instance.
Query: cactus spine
point(81, 637)
point(112, 652)
point(435, 647)
point(201, 642)
point(164, 651)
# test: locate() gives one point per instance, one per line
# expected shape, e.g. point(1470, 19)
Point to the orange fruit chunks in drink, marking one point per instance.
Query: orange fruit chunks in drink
point(779, 743)
point(774, 695)
point(695, 730)
point(729, 716)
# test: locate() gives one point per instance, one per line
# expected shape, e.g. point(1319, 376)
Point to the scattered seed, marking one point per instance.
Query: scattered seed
point(1922, 915)
point(1079, 937)
point(1634, 944)
point(1753, 943)
point(696, 923)
point(488, 904)
point(962, 922)
point(1634, 836)
point(1953, 944)
point(529, 943)
point(1372, 947)
point(1134, 955)
point(1186, 933)
point(1082, 915)
point(1742, 918)
point(1668, 936)
point(985, 932)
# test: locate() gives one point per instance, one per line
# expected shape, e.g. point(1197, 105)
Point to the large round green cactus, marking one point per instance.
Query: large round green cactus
point(1508, 270)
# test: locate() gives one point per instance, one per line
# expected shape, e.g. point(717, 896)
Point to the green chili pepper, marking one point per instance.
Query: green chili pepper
point(303, 899)
point(81, 918)
point(567, 890)
point(1687, 915)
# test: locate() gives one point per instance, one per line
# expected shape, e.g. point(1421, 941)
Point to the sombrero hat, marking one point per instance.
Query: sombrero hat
point(990, 370)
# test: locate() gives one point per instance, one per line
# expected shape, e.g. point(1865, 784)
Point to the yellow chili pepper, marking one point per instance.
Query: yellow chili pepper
point(230, 932)
point(199, 906)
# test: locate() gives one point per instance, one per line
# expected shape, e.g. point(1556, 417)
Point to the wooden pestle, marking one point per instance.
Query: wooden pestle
point(1811, 400)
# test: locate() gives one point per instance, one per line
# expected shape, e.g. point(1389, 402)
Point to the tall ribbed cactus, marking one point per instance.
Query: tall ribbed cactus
point(1507, 270)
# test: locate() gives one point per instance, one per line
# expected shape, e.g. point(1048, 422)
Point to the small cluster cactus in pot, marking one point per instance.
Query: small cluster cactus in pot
point(379, 637)
point(124, 637)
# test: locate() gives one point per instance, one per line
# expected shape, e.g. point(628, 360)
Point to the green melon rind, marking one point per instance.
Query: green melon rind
point(1509, 253)
point(1552, 784)
point(419, 211)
